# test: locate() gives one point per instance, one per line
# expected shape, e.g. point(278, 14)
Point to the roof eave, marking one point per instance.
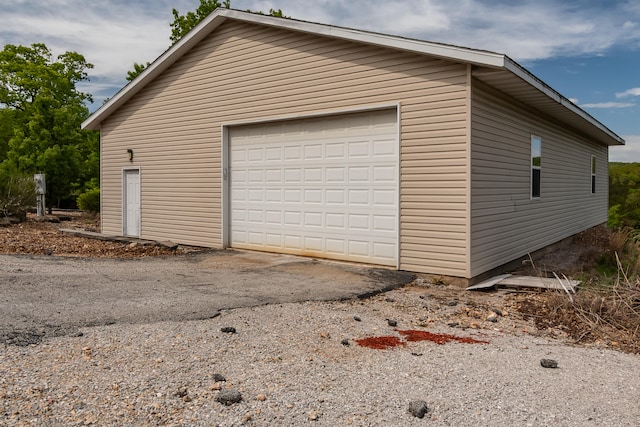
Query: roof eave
point(610, 137)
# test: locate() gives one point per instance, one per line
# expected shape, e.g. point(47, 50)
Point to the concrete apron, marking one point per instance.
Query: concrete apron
point(45, 296)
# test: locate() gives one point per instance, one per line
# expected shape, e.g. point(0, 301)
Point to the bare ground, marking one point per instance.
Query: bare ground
point(542, 313)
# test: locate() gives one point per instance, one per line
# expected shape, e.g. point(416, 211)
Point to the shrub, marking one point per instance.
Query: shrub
point(90, 200)
point(17, 195)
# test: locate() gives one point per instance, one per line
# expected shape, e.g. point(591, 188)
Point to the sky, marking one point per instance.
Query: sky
point(588, 50)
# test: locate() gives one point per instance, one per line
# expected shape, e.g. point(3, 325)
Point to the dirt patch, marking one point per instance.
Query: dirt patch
point(35, 237)
point(576, 256)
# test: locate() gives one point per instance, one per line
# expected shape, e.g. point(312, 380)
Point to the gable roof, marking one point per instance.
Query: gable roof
point(495, 69)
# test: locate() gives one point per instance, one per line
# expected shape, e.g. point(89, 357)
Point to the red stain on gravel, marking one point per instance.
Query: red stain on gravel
point(380, 343)
point(383, 343)
point(413, 336)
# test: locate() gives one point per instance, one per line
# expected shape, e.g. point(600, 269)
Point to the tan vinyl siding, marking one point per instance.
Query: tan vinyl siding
point(505, 222)
point(246, 72)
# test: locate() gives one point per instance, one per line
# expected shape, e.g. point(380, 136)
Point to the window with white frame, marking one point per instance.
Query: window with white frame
point(536, 165)
point(593, 174)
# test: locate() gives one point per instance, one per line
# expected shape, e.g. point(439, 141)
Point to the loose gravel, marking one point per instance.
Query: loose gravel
point(287, 365)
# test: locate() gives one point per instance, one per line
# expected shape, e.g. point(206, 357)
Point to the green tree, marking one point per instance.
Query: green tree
point(137, 69)
point(182, 24)
point(7, 121)
point(624, 195)
point(47, 110)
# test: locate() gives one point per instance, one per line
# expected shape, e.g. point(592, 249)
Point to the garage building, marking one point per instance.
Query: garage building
point(281, 135)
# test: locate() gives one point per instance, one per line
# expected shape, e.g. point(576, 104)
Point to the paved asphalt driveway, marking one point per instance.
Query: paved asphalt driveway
point(49, 296)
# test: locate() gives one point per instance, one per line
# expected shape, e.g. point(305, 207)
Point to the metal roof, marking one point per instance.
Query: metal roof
point(494, 69)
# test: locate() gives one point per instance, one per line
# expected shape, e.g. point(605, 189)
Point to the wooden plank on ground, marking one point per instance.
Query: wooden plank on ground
point(509, 281)
point(489, 283)
point(538, 282)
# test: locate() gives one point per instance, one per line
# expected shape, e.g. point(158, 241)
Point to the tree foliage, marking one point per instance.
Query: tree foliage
point(17, 193)
point(624, 195)
point(182, 24)
point(90, 200)
point(43, 110)
point(137, 69)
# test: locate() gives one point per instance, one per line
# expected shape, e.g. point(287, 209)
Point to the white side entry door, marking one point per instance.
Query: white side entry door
point(131, 198)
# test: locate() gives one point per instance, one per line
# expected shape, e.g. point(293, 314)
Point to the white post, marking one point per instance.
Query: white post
point(41, 188)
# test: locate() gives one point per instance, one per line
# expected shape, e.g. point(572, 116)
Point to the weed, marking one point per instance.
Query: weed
point(606, 307)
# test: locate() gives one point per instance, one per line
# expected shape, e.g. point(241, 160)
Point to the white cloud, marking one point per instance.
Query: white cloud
point(608, 105)
point(113, 34)
point(574, 100)
point(524, 30)
point(628, 153)
point(631, 92)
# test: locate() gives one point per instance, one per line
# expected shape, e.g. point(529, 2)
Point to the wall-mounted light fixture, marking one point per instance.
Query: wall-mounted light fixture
point(130, 151)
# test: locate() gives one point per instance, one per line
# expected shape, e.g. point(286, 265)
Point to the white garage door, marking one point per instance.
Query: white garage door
point(324, 187)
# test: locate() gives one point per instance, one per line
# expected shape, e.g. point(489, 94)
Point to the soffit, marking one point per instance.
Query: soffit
point(544, 99)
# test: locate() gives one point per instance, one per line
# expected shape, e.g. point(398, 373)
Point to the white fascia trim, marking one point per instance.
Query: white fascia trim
point(525, 75)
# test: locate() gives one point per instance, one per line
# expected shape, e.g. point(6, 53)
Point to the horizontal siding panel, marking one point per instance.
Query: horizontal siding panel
point(323, 75)
point(453, 224)
point(527, 214)
point(447, 243)
point(434, 184)
point(439, 147)
point(244, 72)
point(418, 174)
point(436, 102)
point(442, 118)
point(453, 202)
point(415, 265)
point(415, 251)
point(235, 103)
point(418, 194)
point(408, 134)
point(455, 112)
point(447, 162)
point(441, 231)
point(505, 222)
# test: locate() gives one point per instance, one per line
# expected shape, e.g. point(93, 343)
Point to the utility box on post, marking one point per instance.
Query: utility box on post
point(41, 189)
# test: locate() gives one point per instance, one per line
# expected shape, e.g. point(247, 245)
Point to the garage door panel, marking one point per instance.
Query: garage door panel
point(336, 175)
point(385, 223)
point(274, 176)
point(292, 153)
point(293, 196)
point(273, 240)
point(313, 219)
point(359, 149)
point(273, 154)
point(324, 187)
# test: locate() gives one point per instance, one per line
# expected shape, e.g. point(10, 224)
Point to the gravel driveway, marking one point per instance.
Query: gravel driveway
point(291, 363)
